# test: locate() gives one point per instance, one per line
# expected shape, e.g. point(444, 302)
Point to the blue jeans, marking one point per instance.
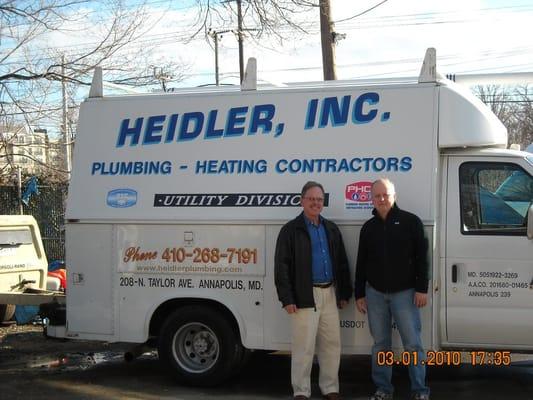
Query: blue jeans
point(382, 307)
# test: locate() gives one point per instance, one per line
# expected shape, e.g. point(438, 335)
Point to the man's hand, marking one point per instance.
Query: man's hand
point(291, 308)
point(342, 304)
point(361, 305)
point(421, 299)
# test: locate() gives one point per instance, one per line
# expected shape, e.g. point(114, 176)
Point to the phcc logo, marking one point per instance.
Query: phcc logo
point(359, 192)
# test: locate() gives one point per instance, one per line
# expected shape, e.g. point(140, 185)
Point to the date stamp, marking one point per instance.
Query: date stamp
point(445, 358)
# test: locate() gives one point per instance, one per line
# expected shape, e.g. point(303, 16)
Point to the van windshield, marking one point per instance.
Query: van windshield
point(15, 237)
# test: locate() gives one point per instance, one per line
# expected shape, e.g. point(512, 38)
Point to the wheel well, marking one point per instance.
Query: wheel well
point(168, 307)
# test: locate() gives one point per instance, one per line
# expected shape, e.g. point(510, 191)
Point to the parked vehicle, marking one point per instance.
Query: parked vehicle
point(23, 265)
point(176, 201)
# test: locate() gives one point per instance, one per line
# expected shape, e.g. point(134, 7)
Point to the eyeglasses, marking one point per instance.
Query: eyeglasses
point(382, 196)
point(315, 199)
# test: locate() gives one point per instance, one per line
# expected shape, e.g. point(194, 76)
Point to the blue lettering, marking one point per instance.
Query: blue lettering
point(197, 119)
point(211, 132)
point(125, 131)
point(332, 111)
point(343, 166)
point(236, 116)
point(311, 114)
point(295, 166)
point(406, 163)
point(378, 164)
point(132, 168)
point(392, 164)
point(201, 167)
point(97, 166)
point(262, 118)
point(358, 115)
point(212, 167)
point(331, 165)
point(171, 130)
point(166, 167)
point(281, 166)
point(153, 126)
point(125, 168)
point(354, 164)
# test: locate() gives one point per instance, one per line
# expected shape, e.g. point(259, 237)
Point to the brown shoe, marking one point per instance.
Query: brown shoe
point(332, 396)
point(300, 397)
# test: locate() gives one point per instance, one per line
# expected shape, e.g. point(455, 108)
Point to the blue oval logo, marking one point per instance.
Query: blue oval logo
point(122, 198)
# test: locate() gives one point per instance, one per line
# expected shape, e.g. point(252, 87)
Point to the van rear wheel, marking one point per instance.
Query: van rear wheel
point(6, 312)
point(200, 346)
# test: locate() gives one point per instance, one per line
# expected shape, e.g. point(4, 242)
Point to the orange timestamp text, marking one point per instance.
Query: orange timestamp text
point(444, 358)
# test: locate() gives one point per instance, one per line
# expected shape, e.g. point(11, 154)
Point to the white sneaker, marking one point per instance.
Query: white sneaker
point(379, 395)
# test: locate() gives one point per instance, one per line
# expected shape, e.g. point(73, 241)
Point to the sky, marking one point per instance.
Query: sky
point(471, 36)
point(390, 40)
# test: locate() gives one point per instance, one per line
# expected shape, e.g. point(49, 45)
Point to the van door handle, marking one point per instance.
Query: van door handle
point(454, 273)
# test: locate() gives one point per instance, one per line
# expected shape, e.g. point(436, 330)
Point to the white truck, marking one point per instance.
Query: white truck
point(23, 266)
point(176, 201)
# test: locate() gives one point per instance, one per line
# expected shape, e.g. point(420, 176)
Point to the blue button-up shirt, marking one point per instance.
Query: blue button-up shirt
point(322, 268)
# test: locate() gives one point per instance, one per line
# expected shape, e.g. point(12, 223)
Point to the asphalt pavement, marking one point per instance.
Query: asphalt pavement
point(34, 367)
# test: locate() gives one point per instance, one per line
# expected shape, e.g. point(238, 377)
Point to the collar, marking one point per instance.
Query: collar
point(308, 222)
point(393, 211)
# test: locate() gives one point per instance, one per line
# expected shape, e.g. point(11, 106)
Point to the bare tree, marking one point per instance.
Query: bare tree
point(36, 59)
point(513, 106)
point(263, 17)
point(524, 127)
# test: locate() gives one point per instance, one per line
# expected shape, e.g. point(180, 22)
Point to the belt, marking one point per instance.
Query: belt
point(322, 285)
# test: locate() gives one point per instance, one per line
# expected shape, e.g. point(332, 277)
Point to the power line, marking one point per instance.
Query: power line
point(413, 20)
point(361, 13)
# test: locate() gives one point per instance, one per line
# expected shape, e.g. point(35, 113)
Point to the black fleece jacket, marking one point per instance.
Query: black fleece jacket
point(293, 264)
point(393, 254)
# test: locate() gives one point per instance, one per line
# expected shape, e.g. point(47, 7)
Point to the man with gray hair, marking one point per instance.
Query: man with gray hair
point(391, 281)
point(313, 279)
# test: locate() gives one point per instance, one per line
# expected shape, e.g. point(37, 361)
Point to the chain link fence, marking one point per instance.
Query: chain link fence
point(48, 208)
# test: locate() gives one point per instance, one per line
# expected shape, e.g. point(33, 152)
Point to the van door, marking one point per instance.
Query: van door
point(489, 259)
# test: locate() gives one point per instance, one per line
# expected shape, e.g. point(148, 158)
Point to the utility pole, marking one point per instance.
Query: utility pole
point(214, 35)
point(162, 76)
point(239, 37)
point(64, 129)
point(328, 41)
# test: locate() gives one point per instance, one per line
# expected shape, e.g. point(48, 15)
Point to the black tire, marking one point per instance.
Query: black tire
point(200, 346)
point(6, 312)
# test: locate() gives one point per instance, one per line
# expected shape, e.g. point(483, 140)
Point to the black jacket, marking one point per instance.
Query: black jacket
point(293, 264)
point(392, 254)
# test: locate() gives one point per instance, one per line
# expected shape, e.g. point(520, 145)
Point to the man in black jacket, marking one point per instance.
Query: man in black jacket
point(391, 281)
point(312, 279)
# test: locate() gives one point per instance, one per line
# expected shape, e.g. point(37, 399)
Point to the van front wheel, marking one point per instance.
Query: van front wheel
point(200, 345)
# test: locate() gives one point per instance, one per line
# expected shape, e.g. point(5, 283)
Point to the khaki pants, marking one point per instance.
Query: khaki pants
point(320, 328)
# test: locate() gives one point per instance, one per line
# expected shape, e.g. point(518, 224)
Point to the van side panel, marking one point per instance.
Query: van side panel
point(160, 263)
point(244, 156)
point(90, 305)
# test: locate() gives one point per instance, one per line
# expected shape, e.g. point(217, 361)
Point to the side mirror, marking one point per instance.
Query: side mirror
point(530, 223)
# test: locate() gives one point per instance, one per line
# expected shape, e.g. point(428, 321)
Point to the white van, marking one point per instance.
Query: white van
point(176, 201)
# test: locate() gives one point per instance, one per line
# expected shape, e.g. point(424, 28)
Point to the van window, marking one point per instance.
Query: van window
point(495, 198)
point(15, 237)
